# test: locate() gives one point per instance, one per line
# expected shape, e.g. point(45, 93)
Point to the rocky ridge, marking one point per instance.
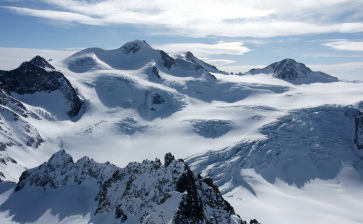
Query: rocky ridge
point(38, 76)
point(147, 192)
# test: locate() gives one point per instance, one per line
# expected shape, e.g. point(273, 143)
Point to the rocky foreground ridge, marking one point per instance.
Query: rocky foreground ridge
point(147, 192)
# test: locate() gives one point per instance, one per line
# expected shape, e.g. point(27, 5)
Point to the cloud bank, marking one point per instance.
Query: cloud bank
point(202, 50)
point(228, 18)
point(11, 58)
point(346, 45)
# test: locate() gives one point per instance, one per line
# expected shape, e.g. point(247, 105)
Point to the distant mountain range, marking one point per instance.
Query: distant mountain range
point(291, 71)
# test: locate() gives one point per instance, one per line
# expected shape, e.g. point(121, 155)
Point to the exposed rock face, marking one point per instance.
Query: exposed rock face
point(146, 192)
point(155, 71)
point(7, 100)
point(168, 61)
point(39, 76)
point(133, 47)
point(199, 64)
point(14, 131)
point(294, 72)
point(61, 171)
point(168, 159)
point(42, 63)
point(29, 78)
point(289, 69)
point(358, 136)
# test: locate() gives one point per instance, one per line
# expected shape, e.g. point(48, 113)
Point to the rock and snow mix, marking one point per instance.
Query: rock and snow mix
point(147, 192)
point(293, 72)
point(211, 128)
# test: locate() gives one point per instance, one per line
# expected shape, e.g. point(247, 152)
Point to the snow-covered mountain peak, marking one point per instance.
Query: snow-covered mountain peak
point(131, 56)
point(210, 68)
point(293, 72)
point(38, 86)
point(135, 46)
point(42, 63)
point(189, 56)
point(26, 67)
point(60, 157)
point(290, 69)
point(136, 55)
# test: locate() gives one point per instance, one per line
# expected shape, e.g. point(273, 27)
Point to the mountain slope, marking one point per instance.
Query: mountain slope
point(15, 131)
point(301, 146)
point(293, 72)
point(299, 149)
point(146, 192)
point(36, 80)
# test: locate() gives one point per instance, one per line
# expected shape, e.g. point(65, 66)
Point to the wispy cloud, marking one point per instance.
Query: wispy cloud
point(11, 58)
point(203, 50)
point(57, 15)
point(341, 66)
point(346, 45)
point(349, 70)
point(319, 55)
point(232, 18)
point(239, 68)
point(219, 62)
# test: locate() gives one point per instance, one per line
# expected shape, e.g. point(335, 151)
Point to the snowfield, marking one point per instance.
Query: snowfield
point(279, 152)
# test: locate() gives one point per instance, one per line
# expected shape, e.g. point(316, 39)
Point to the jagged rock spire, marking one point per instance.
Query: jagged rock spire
point(168, 159)
point(41, 62)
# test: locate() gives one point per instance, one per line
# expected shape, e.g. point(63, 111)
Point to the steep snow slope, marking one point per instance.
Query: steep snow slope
point(146, 192)
point(293, 72)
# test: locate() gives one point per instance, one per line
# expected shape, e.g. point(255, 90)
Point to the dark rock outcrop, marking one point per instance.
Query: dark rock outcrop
point(42, 63)
point(358, 135)
point(39, 76)
point(168, 61)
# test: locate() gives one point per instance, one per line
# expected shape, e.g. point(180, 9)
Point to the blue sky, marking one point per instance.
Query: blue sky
point(234, 35)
